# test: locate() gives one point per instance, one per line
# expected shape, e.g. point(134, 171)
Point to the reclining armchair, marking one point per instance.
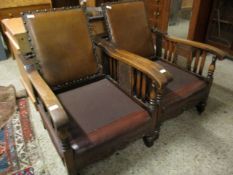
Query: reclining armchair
point(186, 60)
point(86, 112)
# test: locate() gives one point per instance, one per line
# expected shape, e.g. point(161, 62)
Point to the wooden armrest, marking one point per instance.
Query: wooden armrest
point(58, 114)
point(218, 52)
point(154, 71)
point(14, 43)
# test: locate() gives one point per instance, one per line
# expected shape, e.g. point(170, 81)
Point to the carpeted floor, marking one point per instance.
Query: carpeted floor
point(19, 151)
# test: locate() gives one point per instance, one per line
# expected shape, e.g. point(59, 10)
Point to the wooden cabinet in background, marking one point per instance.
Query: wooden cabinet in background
point(187, 4)
point(220, 29)
point(211, 23)
point(158, 13)
point(16, 34)
point(13, 8)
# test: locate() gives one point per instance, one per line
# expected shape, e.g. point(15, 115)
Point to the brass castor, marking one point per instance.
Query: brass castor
point(149, 140)
point(201, 107)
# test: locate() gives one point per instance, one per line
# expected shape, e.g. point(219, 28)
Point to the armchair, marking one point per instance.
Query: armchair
point(128, 29)
point(87, 114)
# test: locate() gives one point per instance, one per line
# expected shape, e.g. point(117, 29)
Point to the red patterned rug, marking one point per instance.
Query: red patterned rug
point(18, 150)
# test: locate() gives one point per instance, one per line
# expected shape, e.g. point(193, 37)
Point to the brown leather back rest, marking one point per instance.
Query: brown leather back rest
point(62, 45)
point(128, 27)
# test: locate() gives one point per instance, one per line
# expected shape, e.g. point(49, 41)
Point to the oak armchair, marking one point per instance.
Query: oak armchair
point(87, 114)
point(128, 29)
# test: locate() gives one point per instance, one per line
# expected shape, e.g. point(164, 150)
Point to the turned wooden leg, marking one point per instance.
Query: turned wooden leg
point(201, 107)
point(69, 162)
point(150, 139)
point(68, 153)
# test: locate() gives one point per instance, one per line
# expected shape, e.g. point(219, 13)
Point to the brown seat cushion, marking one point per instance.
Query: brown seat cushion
point(101, 112)
point(184, 85)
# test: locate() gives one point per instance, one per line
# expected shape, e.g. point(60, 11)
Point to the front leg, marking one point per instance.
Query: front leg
point(151, 138)
point(201, 107)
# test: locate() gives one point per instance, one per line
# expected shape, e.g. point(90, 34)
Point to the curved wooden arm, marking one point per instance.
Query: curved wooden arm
point(154, 71)
point(58, 114)
point(218, 52)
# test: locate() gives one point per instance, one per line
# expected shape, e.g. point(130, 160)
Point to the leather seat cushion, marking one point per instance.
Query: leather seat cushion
point(183, 86)
point(100, 112)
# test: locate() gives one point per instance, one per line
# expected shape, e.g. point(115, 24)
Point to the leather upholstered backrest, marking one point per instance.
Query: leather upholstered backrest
point(128, 27)
point(62, 45)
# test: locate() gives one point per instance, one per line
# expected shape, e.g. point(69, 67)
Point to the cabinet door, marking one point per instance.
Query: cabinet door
point(220, 26)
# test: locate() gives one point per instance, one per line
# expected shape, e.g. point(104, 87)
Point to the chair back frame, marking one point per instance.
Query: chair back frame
point(31, 61)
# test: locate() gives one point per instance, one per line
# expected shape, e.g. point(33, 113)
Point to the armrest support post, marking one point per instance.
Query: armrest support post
point(54, 107)
point(158, 74)
point(198, 53)
point(212, 68)
point(152, 99)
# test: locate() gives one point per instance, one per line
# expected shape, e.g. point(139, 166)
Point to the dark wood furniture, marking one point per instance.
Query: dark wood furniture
point(85, 111)
point(199, 20)
point(211, 23)
point(192, 79)
point(220, 28)
point(157, 15)
point(15, 33)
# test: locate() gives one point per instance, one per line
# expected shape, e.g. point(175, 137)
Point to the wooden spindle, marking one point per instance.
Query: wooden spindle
point(197, 58)
point(114, 69)
point(203, 58)
point(152, 98)
point(165, 49)
point(211, 68)
point(133, 81)
point(158, 97)
point(110, 67)
point(143, 89)
point(138, 85)
point(175, 55)
point(106, 63)
point(170, 50)
point(189, 62)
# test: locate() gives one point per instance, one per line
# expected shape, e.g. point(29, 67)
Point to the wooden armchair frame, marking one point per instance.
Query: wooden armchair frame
point(58, 116)
point(167, 51)
point(55, 117)
point(196, 60)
